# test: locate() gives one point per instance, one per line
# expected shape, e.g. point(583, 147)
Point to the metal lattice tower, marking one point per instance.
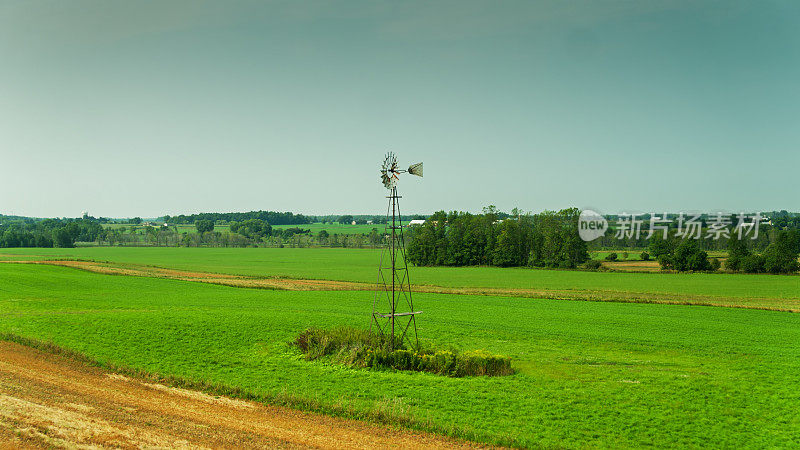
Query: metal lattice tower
point(393, 307)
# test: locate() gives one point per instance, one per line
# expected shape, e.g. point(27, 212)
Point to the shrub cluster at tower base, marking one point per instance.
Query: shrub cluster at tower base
point(366, 349)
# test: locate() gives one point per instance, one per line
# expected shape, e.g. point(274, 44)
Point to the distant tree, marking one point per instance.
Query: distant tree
point(251, 228)
point(781, 255)
point(510, 247)
point(62, 238)
point(645, 256)
point(660, 247)
point(688, 256)
point(11, 239)
point(204, 226)
point(593, 264)
point(348, 219)
point(291, 231)
point(752, 264)
point(611, 256)
point(375, 238)
point(136, 220)
point(737, 251)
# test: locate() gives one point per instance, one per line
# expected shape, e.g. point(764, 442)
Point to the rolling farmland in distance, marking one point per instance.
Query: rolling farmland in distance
point(585, 370)
point(357, 265)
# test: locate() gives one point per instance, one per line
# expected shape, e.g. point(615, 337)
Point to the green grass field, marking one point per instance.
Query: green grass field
point(609, 374)
point(360, 265)
point(181, 228)
point(332, 228)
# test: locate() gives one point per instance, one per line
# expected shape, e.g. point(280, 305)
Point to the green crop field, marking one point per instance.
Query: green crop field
point(360, 265)
point(337, 228)
point(620, 375)
point(184, 228)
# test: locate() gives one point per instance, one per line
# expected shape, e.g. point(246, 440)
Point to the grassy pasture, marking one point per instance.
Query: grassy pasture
point(185, 228)
point(620, 375)
point(336, 228)
point(360, 265)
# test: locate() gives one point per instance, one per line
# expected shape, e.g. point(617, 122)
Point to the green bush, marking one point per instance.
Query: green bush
point(362, 348)
point(734, 262)
point(689, 257)
point(593, 264)
point(752, 264)
point(645, 256)
point(611, 257)
point(781, 255)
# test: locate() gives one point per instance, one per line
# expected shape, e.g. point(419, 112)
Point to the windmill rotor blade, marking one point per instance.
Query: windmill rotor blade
point(416, 169)
point(389, 170)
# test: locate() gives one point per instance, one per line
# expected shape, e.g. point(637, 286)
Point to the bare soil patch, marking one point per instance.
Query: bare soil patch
point(48, 400)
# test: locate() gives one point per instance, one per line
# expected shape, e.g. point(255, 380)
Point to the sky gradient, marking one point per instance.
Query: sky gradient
point(164, 107)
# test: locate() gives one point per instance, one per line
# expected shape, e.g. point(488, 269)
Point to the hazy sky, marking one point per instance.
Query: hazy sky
point(141, 108)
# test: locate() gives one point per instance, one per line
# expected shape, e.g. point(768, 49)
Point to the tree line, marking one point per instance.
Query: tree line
point(271, 217)
point(778, 256)
point(548, 239)
point(49, 232)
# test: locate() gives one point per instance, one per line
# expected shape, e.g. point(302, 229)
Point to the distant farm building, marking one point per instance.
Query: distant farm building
point(416, 223)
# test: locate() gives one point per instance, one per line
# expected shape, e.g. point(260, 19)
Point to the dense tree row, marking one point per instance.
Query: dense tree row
point(706, 241)
point(779, 256)
point(289, 237)
point(271, 217)
point(784, 219)
point(49, 232)
point(680, 254)
point(549, 239)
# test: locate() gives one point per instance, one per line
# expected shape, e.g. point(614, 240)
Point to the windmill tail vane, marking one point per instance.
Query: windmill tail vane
point(393, 308)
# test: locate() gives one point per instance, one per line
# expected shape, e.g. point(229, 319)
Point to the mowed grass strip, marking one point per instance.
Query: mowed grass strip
point(360, 265)
point(609, 374)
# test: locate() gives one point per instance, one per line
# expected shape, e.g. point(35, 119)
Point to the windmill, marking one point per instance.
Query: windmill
point(393, 308)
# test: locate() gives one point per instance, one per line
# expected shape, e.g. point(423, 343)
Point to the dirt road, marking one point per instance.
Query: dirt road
point(50, 401)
